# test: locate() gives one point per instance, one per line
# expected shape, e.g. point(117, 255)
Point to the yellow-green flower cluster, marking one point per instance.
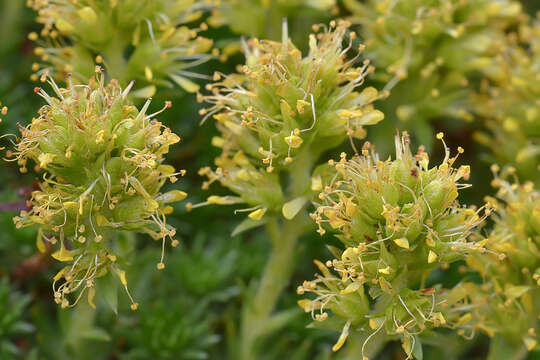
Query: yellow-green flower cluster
point(511, 104)
point(262, 18)
point(283, 111)
point(102, 166)
point(399, 220)
point(143, 40)
point(429, 52)
point(510, 301)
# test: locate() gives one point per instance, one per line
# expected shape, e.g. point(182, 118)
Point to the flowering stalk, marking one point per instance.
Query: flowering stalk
point(143, 40)
point(399, 221)
point(431, 54)
point(509, 300)
point(102, 166)
point(276, 118)
point(510, 104)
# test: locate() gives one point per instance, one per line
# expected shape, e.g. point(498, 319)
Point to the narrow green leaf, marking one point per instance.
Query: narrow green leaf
point(95, 333)
point(417, 349)
point(291, 208)
point(107, 286)
point(184, 83)
point(248, 224)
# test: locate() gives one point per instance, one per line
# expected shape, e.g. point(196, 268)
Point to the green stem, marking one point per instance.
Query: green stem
point(356, 341)
point(116, 63)
point(500, 348)
point(284, 235)
point(277, 272)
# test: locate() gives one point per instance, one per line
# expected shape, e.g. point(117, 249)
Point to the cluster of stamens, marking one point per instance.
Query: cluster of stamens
point(508, 300)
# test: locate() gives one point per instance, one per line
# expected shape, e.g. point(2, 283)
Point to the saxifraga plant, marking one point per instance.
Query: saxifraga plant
point(510, 105)
point(276, 118)
point(144, 40)
point(508, 302)
point(399, 221)
point(430, 55)
point(102, 171)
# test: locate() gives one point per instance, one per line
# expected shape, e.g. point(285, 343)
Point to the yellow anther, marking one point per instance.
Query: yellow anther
point(432, 256)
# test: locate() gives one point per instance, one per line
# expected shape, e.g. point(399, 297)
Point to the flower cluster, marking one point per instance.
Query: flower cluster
point(147, 41)
point(429, 53)
point(510, 301)
point(399, 220)
point(260, 17)
point(283, 111)
point(101, 160)
point(511, 103)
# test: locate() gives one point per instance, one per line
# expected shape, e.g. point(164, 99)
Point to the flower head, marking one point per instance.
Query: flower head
point(399, 220)
point(431, 53)
point(509, 299)
point(147, 41)
point(102, 165)
point(284, 110)
point(510, 104)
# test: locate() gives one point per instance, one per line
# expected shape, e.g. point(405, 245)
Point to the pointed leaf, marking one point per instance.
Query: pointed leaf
point(96, 334)
point(291, 208)
point(107, 286)
point(184, 83)
point(248, 224)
